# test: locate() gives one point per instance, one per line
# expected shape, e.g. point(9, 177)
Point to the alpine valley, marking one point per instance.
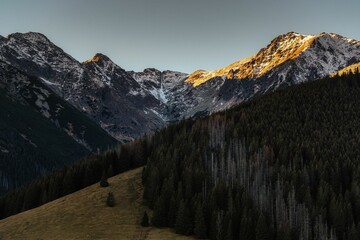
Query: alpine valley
point(265, 148)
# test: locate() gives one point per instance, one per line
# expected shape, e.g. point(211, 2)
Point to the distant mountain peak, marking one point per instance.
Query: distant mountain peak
point(31, 36)
point(151, 70)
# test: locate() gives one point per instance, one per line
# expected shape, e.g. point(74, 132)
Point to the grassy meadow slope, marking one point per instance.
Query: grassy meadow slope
point(84, 215)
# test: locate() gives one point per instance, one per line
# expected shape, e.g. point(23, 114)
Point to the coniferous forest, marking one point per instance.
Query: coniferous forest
point(282, 166)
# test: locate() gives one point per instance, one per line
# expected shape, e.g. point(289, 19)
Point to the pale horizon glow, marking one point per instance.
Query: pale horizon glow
point(175, 35)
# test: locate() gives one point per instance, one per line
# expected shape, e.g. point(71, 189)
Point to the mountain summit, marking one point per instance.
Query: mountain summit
point(299, 57)
point(97, 58)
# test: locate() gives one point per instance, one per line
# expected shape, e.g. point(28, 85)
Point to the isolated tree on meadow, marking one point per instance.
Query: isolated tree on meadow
point(110, 201)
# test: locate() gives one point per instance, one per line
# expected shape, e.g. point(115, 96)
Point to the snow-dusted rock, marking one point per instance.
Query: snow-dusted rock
point(128, 104)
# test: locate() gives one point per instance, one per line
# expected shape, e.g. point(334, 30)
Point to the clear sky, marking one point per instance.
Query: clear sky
point(182, 35)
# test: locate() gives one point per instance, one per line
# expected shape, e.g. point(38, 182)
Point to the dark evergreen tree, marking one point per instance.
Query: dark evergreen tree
point(159, 218)
point(184, 222)
point(246, 229)
point(171, 216)
point(145, 220)
point(104, 181)
point(199, 224)
point(262, 230)
point(229, 231)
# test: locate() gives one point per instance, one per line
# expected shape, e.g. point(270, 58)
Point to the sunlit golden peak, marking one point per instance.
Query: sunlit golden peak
point(280, 49)
point(97, 58)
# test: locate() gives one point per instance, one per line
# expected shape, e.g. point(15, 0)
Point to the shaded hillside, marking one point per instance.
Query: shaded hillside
point(69, 179)
point(84, 215)
point(39, 130)
point(31, 145)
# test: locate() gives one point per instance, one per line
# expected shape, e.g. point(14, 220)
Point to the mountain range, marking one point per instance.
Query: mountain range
point(128, 104)
point(87, 105)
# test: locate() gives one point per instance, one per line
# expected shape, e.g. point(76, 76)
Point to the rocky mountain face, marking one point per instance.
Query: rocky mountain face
point(127, 104)
point(29, 91)
point(98, 87)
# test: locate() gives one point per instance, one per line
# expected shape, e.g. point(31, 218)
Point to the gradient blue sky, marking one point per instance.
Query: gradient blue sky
point(182, 35)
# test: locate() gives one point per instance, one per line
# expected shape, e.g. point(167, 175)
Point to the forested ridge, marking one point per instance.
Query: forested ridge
point(282, 166)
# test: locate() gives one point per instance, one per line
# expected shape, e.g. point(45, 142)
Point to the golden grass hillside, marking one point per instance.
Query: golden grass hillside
point(84, 215)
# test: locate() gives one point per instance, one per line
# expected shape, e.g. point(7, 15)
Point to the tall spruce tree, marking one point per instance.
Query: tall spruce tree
point(200, 229)
point(145, 220)
point(262, 230)
point(159, 218)
point(184, 221)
